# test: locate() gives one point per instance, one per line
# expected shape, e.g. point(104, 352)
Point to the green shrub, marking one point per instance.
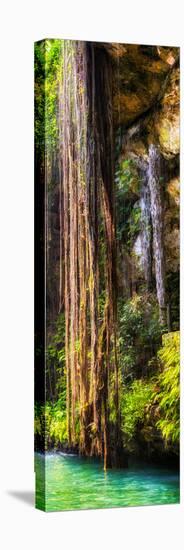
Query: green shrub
point(168, 396)
point(50, 423)
point(139, 335)
point(135, 403)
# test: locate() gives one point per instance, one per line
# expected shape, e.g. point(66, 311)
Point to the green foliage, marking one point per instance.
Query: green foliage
point(55, 360)
point(173, 291)
point(127, 192)
point(58, 425)
point(134, 223)
point(50, 422)
point(168, 396)
point(126, 177)
point(134, 406)
point(37, 420)
point(39, 67)
point(151, 406)
point(53, 75)
point(101, 304)
point(139, 334)
point(48, 74)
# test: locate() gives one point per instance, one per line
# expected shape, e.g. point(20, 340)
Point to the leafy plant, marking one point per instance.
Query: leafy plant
point(55, 360)
point(58, 425)
point(126, 176)
point(135, 401)
point(168, 396)
point(50, 422)
point(139, 335)
point(48, 72)
point(127, 192)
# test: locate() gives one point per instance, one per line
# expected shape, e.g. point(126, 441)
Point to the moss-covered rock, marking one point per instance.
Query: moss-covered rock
point(173, 190)
point(146, 104)
point(167, 119)
point(171, 226)
point(138, 76)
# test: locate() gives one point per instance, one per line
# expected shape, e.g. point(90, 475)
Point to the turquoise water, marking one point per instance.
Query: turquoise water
point(75, 483)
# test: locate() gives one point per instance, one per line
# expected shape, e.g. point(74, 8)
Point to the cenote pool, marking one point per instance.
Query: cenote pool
point(75, 483)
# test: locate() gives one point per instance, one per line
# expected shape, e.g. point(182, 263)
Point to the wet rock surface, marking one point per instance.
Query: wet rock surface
point(139, 73)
